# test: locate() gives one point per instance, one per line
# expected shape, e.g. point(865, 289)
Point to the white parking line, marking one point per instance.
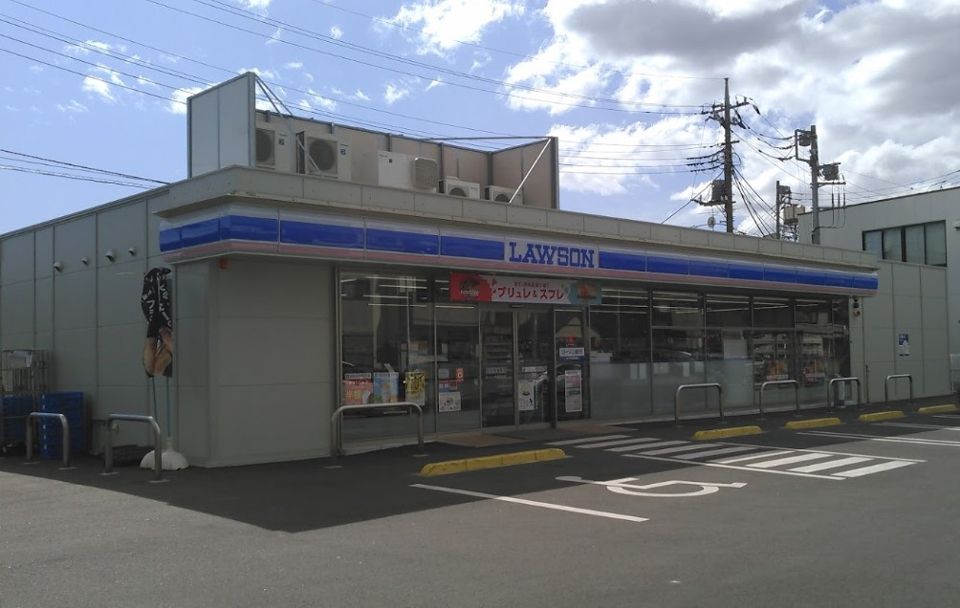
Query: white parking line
point(755, 456)
point(607, 444)
point(683, 448)
point(719, 452)
point(586, 439)
point(833, 464)
point(876, 468)
point(533, 503)
point(738, 468)
point(914, 425)
point(779, 462)
point(908, 440)
point(659, 444)
point(834, 452)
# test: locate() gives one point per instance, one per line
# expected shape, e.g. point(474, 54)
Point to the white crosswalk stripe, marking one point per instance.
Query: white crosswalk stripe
point(834, 466)
point(586, 439)
point(607, 444)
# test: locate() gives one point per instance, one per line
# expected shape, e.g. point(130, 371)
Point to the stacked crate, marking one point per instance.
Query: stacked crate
point(13, 418)
point(71, 405)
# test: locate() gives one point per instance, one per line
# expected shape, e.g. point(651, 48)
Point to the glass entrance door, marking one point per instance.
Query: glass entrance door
point(571, 372)
point(534, 338)
point(517, 366)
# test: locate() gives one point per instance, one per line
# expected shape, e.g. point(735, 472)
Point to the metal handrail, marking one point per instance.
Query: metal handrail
point(796, 391)
point(830, 384)
point(336, 420)
point(157, 445)
point(66, 434)
point(886, 385)
point(682, 387)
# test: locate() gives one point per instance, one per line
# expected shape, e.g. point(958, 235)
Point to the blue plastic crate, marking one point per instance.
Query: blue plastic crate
point(67, 403)
point(50, 432)
point(14, 411)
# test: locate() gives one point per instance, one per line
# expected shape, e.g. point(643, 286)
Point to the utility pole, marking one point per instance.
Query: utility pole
point(831, 173)
point(778, 207)
point(815, 183)
point(727, 158)
point(722, 192)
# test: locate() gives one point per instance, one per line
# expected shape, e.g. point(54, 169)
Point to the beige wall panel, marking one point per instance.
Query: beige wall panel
point(74, 240)
point(120, 354)
point(934, 313)
point(120, 229)
point(44, 305)
point(265, 351)
point(118, 293)
point(16, 309)
point(363, 156)
point(906, 280)
point(16, 259)
point(191, 288)
point(74, 300)
point(262, 289)
point(75, 359)
point(538, 189)
point(44, 252)
point(933, 282)
point(907, 310)
point(506, 168)
point(270, 423)
point(193, 424)
point(191, 354)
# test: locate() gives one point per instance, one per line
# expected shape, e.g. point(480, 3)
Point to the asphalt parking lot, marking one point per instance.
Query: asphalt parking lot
point(853, 515)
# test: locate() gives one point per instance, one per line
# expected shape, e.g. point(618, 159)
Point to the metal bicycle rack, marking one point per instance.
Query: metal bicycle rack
point(886, 385)
point(157, 443)
point(796, 392)
point(336, 421)
point(66, 434)
point(845, 380)
point(683, 387)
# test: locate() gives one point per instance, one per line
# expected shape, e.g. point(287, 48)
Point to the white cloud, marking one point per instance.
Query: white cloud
point(441, 24)
point(336, 32)
point(257, 5)
point(177, 104)
point(876, 77)
point(436, 82)
point(293, 65)
point(74, 107)
point(36, 69)
point(262, 73)
point(393, 93)
point(275, 37)
point(99, 83)
point(319, 100)
point(361, 96)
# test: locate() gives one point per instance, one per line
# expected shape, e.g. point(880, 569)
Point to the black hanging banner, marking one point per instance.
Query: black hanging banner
point(158, 311)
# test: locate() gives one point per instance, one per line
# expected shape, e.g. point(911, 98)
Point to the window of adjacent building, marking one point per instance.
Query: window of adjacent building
point(916, 244)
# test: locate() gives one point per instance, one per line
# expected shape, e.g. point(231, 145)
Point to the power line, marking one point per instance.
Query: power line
point(73, 177)
point(390, 23)
point(63, 163)
point(398, 71)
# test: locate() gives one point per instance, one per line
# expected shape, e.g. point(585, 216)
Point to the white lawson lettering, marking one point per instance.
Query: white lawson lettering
point(546, 254)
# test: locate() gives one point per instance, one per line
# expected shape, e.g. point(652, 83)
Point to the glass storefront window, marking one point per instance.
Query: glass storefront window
point(729, 364)
point(620, 354)
point(678, 359)
point(677, 309)
point(387, 347)
point(727, 310)
point(772, 312)
point(892, 245)
point(913, 239)
point(936, 244)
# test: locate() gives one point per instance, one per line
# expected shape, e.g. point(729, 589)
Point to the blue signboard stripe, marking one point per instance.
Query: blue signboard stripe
point(327, 235)
point(239, 227)
point(402, 242)
point(465, 247)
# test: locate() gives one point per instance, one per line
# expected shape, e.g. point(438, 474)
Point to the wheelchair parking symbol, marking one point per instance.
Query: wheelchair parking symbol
point(627, 487)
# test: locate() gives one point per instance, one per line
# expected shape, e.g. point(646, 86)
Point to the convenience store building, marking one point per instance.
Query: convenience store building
point(308, 278)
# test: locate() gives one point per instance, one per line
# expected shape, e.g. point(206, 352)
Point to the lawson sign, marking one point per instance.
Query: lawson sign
point(541, 253)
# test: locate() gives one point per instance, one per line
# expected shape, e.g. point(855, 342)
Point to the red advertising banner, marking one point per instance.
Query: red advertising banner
point(468, 287)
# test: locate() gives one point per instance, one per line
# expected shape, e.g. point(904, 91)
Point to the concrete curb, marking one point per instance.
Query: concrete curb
point(463, 465)
point(877, 416)
point(734, 431)
point(812, 423)
point(938, 409)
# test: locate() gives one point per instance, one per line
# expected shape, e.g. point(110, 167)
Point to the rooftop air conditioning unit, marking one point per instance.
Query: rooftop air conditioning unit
point(266, 147)
point(456, 187)
point(502, 195)
point(408, 172)
point(323, 155)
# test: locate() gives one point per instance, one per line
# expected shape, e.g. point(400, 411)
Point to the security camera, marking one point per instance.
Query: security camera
point(110, 255)
point(85, 261)
point(58, 266)
point(132, 251)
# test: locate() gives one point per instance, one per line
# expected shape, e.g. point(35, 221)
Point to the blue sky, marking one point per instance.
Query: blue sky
point(623, 83)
